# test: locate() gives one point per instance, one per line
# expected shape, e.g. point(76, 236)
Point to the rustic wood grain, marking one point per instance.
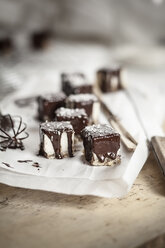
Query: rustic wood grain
point(158, 144)
point(154, 243)
point(30, 218)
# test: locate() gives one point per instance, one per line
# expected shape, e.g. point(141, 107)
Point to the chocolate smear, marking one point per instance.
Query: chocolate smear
point(6, 164)
point(36, 164)
point(24, 161)
point(25, 102)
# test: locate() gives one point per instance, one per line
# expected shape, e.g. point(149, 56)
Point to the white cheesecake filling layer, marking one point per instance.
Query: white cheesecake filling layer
point(64, 143)
point(124, 78)
point(114, 83)
point(95, 112)
point(48, 146)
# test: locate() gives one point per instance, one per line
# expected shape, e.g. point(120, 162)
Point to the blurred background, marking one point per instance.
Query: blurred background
point(82, 35)
point(112, 21)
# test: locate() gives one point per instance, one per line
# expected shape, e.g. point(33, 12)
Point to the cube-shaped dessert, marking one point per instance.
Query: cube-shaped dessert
point(6, 45)
point(48, 103)
point(75, 83)
point(77, 117)
point(111, 79)
point(89, 102)
point(57, 139)
point(101, 144)
point(41, 39)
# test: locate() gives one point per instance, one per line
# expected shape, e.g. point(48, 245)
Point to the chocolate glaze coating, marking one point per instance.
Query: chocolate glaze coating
point(75, 83)
point(82, 101)
point(47, 105)
point(54, 131)
point(77, 117)
point(102, 140)
point(105, 76)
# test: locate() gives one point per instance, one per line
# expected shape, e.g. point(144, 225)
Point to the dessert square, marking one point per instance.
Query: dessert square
point(77, 117)
point(47, 105)
point(111, 79)
point(6, 45)
point(75, 83)
point(101, 144)
point(89, 102)
point(57, 139)
point(41, 39)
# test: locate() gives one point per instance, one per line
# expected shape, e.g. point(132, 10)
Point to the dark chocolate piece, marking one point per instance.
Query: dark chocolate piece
point(5, 122)
point(75, 83)
point(6, 45)
point(110, 79)
point(101, 144)
point(47, 105)
point(77, 117)
point(87, 101)
point(41, 39)
point(53, 144)
point(12, 137)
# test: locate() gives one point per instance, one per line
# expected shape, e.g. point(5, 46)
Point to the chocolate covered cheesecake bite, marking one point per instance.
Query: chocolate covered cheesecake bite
point(57, 139)
point(111, 79)
point(75, 83)
point(48, 103)
point(101, 144)
point(41, 39)
point(77, 117)
point(89, 102)
point(6, 45)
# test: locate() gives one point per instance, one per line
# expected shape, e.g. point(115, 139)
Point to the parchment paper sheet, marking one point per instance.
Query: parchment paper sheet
point(71, 175)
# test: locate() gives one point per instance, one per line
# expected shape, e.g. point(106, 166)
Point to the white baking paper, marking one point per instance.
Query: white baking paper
point(69, 175)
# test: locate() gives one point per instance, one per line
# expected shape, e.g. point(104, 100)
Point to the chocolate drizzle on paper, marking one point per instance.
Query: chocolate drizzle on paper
point(6, 164)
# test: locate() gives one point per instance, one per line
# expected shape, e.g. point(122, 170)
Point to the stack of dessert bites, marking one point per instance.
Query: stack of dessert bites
point(73, 115)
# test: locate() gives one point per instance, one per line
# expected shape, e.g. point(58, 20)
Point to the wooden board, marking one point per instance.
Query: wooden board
point(158, 144)
point(41, 219)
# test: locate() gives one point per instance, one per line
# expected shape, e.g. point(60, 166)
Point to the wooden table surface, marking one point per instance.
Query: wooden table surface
point(30, 218)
